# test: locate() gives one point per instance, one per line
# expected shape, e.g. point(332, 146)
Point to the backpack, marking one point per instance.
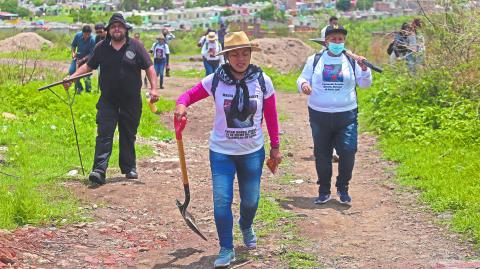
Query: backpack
point(216, 79)
point(390, 48)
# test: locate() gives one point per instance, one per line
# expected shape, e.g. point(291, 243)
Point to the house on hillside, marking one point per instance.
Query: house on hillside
point(199, 17)
point(7, 16)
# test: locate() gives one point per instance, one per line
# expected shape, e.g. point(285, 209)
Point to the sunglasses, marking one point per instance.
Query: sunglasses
point(99, 32)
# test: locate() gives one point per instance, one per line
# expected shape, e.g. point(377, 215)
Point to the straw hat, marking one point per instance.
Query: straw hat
point(161, 37)
point(212, 36)
point(238, 40)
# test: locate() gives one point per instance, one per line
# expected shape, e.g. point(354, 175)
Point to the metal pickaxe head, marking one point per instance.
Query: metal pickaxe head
point(189, 219)
point(179, 126)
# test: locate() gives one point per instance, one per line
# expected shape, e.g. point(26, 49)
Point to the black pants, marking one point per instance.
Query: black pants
point(128, 119)
point(331, 130)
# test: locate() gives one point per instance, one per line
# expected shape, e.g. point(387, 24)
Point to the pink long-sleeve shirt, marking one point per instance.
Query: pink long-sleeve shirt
point(245, 134)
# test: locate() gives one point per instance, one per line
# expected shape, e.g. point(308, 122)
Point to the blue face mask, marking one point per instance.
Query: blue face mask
point(336, 48)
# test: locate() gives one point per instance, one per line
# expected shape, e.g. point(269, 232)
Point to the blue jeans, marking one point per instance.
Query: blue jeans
point(411, 61)
point(208, 70)
point(331, 130)
point(78, 84)
point(249, 170)
point(210, 66)
point(159, 65)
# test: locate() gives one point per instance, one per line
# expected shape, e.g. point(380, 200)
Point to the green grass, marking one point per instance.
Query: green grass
point(272, 219)
point(66, 18)
point(283, 82)
point(192, 73)
point(433, 134)
point(41, 150)
point(56, 53)
point(297, 259)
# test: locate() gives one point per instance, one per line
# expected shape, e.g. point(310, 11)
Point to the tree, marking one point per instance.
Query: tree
point(23, 12)
point(188, 4)
point(129, 5)
point(8, 5)
point(270, 13)
point(51, 2)
point(82, 15)
point(135, 19)
point(227, 13)
point(343, 5)
point(167, 4)
point(37, 3)
point(267, 13)
point(364, 4)
point(156, 4)
point(12, 6)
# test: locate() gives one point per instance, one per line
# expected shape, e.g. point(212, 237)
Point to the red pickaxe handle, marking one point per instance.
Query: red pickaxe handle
point(179, 126)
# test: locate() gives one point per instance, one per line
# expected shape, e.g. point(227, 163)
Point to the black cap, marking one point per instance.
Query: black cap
point(117, 17)
point(335, 29)
point(100, 26)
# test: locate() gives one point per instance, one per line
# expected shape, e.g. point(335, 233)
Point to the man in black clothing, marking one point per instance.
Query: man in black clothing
point(121, 60)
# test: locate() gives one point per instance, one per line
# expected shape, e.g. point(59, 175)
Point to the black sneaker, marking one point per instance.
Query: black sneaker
point(344, 197)
point(132, 174)
point(97, 178)
point(322, 199)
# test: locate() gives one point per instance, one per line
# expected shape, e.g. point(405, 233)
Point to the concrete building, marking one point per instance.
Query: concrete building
point(199, 17)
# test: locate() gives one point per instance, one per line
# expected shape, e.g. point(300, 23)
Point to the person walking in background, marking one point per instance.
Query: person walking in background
point(121, 60)
point(209, 52)
point(203, 38)
point(222, 31)
point(416, 44)
point(82, 48)
point(330, 79)
point(200, 44)
point(400, 48)
point(243, 97)
point(161, 55)
point(169, 36)
point(331, 22)
point(100, 32)
point(136, 36)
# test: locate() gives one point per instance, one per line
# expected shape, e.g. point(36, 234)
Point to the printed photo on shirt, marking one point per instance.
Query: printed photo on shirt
point(237, 119)
point(212, 49)
point(159, 53)
point(332, 73)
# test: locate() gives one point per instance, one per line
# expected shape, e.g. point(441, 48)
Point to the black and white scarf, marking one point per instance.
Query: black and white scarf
point(241, 100)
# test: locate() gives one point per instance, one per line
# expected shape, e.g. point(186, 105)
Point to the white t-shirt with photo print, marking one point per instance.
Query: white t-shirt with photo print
point(333, 83)
point(232, 135)
point(160, 51)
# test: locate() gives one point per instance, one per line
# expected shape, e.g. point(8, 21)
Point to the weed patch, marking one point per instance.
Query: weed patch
point(41, 150)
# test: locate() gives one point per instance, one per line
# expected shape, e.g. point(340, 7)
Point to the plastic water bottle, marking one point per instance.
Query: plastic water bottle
point(152, 106)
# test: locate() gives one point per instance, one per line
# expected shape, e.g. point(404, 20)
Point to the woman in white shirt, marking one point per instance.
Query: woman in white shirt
point(210, 55)
point(161, 55)
point(244, 96)
point(330, 80)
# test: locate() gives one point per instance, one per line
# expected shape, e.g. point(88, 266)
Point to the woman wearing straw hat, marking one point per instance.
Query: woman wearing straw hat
point(243, 96)
point(210, 54)
point(161, 54)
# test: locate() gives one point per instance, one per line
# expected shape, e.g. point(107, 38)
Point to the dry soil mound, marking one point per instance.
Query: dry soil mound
point(283, 54)
point(28, 41)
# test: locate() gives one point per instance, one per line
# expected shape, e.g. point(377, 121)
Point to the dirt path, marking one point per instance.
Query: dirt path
point(136, 224)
